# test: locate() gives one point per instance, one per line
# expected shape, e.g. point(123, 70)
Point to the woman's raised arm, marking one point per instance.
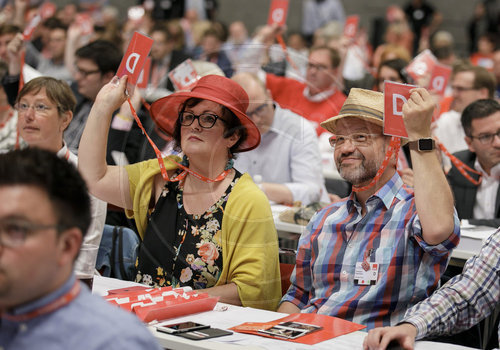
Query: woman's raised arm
point(109, 183)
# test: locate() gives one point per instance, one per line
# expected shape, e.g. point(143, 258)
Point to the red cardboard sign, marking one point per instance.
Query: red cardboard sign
point(142, 82)
point(395, 96)
point(84, 21)
point(134, 59)
point(30, 28)
point(351, 26)
point(278, 12)
point(422, 64)
point(184, 76)
point(439, 78)
point(48, 9)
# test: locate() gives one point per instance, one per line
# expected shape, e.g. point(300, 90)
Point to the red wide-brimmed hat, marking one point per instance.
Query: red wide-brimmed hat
point(221, 90)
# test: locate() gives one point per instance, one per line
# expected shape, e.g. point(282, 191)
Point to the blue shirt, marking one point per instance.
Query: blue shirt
point(88, 323)
point(338, 237)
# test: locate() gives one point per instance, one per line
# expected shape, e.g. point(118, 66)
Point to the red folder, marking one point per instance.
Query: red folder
point(162, 303)
point(331, 327)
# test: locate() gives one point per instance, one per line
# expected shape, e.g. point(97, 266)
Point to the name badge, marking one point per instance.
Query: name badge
point(366, 277)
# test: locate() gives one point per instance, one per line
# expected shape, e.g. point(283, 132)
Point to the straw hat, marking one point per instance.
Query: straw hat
point(221, 90)
point(361, 103)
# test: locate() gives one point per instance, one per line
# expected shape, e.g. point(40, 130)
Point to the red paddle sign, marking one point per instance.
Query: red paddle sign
point(278, 12)
point(395, 96)
point(439, 79)
point(134, 59)
point(351, 26)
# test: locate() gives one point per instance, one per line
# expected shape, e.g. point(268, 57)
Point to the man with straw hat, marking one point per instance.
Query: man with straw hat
point(381, 250)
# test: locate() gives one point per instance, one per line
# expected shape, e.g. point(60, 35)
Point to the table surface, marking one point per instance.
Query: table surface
point(225, 316)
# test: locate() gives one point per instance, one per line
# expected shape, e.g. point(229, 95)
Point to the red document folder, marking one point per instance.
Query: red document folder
point(331, 327)
point(162, 303)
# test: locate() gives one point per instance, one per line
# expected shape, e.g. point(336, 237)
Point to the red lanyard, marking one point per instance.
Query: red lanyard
point(185, 169)
point(51, 307)
point(461, 166)
point(393, 149)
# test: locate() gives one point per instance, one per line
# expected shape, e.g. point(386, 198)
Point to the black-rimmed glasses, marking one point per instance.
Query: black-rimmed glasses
point(205, 120)
point(486, 139)
point(13, 231)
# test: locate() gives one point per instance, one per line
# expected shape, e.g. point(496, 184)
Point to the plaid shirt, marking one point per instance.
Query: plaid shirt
point(466, 299)
point(338, 237)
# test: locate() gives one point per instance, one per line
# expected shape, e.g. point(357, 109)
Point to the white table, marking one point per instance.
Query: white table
point(225, 316)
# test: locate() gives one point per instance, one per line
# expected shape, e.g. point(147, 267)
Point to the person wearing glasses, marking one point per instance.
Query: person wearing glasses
point(479, 203)
point(202, 223)
point(45, 109)
point(468, 84)
point(45, 211)
point(288, 143)
point(372, 255)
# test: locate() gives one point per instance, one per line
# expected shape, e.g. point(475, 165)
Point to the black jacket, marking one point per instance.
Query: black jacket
point(465, 192)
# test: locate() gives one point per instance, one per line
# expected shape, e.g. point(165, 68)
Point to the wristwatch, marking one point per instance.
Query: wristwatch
point(422, 145)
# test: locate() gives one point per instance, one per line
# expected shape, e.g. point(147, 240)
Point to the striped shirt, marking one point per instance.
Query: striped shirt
point(466, 299)
point(390, 234)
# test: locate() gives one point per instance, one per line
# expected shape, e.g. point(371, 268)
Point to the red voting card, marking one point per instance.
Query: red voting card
point(85, 22)
point(304, 328)
point(30, 28)
point(351, 26)
point(184, 76)
point(48, 9)
point(439, 78)
point(395, 96)
point(278, 12)
point(142, 82)
point(421, 65)
point(134, 59)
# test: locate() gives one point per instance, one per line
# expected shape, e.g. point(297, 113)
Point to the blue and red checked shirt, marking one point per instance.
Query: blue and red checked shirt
point(338, 237)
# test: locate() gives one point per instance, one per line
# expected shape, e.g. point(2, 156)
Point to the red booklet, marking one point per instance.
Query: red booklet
point(161, 303)
point(307, 328)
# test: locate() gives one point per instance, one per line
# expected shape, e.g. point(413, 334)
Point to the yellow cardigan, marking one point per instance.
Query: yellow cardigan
point(248, 237)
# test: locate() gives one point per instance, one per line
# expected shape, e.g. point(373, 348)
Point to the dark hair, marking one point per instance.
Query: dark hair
point(61, 181)
point(56, 90)
point(9, 29)
point(103, 53)
point(232, 126)
point(334, 54)
point(397, 64)
point(162, 28)
point(54, 23)
point(476, 110)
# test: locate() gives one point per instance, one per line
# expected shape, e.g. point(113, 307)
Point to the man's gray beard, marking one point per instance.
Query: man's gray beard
point(365, 172)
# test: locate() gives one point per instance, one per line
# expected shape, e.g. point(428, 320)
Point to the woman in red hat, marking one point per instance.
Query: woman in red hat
point(203, 223)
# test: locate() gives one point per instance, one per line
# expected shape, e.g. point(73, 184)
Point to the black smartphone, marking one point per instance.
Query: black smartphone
point(181, 327)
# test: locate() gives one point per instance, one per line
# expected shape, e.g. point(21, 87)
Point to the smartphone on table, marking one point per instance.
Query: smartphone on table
point(181, 327)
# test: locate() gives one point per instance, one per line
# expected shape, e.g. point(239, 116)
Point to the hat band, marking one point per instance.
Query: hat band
point(362, 111)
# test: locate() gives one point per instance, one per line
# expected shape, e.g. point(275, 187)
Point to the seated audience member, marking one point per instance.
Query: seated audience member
point(44, 214)
point(210, 50)
point(45, 108)
point(468, 84)
point(288, 158)
point(392, 70)
point(404, 235)
point(95, 65)
point(479, 203)
point(203, 224)
point(461, 303)
point(164, 57)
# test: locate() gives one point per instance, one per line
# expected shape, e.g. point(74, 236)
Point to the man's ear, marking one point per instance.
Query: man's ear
point(69, 243)
point(468, 140)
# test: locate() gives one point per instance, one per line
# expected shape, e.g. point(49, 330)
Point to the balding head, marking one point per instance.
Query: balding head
point(260, 107)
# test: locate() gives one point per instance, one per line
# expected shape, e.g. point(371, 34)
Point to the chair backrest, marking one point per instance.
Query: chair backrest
point(285, 271)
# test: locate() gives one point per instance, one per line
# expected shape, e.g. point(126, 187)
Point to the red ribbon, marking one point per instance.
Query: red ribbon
point(461, 166)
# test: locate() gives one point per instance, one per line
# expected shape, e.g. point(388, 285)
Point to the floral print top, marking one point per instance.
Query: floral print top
point(180, 249)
